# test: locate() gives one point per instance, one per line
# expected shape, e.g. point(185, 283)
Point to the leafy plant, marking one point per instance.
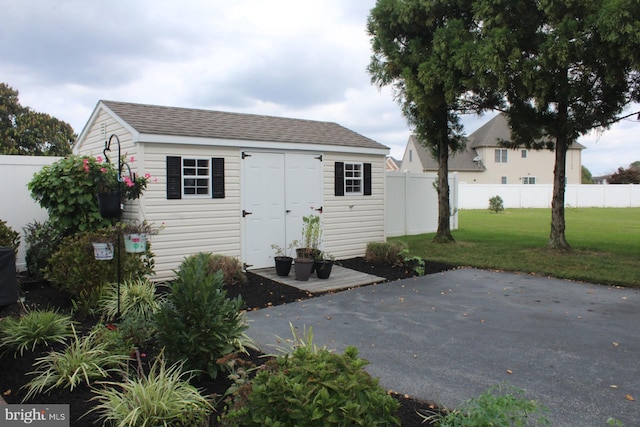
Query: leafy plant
point(282, 252)
point(137, 298)
point(198, 323)
point(85, 359)
point(112, 337)
point(499, 406)
point(311, 233)
point(313, 387)
point(35, 328)
point(42, 240)
point(163, 397)
point(496, 205)
point(391, 253)
point(74, 268)
point(9, 237)
point(137, 330)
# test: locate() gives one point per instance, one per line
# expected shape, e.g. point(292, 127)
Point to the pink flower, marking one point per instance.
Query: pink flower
point(99, 159)
point(103, 170)
point(86, 165)
point(147, 175)
point(155, 179)
point(128, 181)
point(132, 159)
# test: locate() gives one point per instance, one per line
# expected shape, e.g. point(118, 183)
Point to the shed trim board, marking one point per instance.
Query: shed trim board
point(216, 225)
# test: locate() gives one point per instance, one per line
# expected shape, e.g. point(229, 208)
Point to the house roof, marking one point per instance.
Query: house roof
point(486, 135)
point(198, 123)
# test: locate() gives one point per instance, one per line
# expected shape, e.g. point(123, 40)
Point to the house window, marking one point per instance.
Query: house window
point(523, 153)
point(528, 179)
point(504, 180)
point(501, 155)
point(196, 178)
point(353, 178)
point(410, 156)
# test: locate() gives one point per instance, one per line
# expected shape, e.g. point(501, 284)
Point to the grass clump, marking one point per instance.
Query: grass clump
point(33, 329)
point(501, 405)
point(230, 267)
point(199, 323)
point(138, 299)
point(312, 386)
point(85, 360)
point(163, 397)
point(391, 252)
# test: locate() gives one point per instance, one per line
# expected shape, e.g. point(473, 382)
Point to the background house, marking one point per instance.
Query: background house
point(485, 162)
point(235, 184)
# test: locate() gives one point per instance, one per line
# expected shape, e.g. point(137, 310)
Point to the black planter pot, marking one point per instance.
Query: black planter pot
point(303, 268)
point(110, 204)
point(323, 269)
point(283, 265)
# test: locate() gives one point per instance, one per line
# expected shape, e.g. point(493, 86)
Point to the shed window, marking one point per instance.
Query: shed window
point(352, 179)
point(195, 177)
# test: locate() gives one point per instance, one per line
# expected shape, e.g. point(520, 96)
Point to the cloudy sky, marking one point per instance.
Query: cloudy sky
point(292, 58)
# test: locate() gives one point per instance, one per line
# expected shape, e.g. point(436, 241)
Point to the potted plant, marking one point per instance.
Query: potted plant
point(103, 245)
point(311, 233)
point(282, 260)
point(136, 234)
point(323, 264)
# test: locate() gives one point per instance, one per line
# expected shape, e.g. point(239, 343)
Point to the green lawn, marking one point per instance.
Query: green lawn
point(605, 244)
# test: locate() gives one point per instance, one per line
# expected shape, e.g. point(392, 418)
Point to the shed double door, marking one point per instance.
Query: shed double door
point(278, 190)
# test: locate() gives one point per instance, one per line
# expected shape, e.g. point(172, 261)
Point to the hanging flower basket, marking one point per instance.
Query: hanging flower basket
point(103, 251)
point(110, 204)
point(135, 243)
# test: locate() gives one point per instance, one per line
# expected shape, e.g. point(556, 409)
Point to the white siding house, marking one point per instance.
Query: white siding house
point(255, 178)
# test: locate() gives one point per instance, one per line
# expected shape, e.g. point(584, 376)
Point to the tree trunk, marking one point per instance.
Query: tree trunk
point(443, 235)
point(557, 238)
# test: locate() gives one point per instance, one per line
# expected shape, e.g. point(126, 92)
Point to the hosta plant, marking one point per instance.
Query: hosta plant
point(83, 361)
point(33, 329)
point(163, 397)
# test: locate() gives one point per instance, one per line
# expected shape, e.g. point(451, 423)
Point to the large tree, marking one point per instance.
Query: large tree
point(421, 50)
point(564, 67)
point(24, 131)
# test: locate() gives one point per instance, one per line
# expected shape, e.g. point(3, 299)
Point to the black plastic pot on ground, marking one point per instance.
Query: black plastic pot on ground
point(110, 204)
point(283, 265)
point(323, 269)
point(303, 268)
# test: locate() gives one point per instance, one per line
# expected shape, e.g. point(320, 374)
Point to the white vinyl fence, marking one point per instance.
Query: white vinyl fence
point(411, 203)
point(16, 205)
point(476, 196)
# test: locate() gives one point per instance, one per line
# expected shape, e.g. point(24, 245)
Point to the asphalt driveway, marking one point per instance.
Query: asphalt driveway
point(447, 337)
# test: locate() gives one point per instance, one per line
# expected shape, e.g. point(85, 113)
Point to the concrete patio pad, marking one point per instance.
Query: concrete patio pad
point(448, 337)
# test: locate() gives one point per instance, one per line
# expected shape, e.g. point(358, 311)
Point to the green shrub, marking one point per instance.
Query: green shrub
point(36, 328)
point(231, 269)
point(137, 298)
point(386, 252)
point(496, 205)
point(198, 323)
point(137, 330)
point(313, 387)
point(9, 237)
point(113, 339)
point(163, 397)
point(85, 360)
point(42, 240)
point(74, 268)
point(499, 406)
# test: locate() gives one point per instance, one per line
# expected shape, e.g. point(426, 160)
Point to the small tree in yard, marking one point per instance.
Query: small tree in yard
point(496, 205)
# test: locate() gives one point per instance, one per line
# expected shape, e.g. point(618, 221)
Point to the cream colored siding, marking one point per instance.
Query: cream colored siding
point(192, 225)
point(350, 222)
point(410, 160)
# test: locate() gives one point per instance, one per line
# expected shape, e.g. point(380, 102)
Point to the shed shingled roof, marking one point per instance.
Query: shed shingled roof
point(191, 122)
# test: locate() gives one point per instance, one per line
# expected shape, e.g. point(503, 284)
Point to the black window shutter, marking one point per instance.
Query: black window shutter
point(217, 177)
point(339, 179)
point(367, 179)
point(174, 177)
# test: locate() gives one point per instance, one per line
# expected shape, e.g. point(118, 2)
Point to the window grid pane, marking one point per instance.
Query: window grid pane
point(353, 178)
point(196, 177)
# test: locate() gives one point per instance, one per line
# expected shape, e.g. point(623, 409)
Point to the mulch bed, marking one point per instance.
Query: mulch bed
point(257, 293)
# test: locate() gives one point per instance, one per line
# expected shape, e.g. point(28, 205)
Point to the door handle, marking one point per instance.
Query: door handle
point(319, 209)
point(288, 211)
point(245, 213)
